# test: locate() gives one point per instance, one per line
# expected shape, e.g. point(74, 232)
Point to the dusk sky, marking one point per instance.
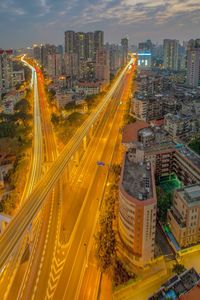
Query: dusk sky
point(24, 22)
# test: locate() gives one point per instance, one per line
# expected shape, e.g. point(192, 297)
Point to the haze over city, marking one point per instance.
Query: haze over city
point(43, 21)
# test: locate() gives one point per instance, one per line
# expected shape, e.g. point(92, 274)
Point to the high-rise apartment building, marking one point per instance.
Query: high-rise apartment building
point(98, 39)
point(70, 41)
point(170, 49)
point(102, 65)
point(87, 70)
point(193, 63)
point(81, 45)
point(71, 64)
point(89, 45)
point(115, 58)
point(143, 47)
point(59, 49)
point(54, 65)
point(184, 215)
point(6, 70)
point(37, 52)
point(124, 43)
point(46, 49)
point(137, 210)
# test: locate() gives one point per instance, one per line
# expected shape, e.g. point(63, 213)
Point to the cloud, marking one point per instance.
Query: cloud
point(131, 11)
point(9, 7)
point(141, 18)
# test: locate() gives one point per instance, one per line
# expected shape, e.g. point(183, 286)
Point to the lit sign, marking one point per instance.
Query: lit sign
point(144, 54)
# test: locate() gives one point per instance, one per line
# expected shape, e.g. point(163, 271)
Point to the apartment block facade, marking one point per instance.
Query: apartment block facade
point(184, 215)
point(137, 210)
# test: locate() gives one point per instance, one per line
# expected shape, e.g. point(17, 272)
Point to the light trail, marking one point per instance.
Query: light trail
point(17, 228)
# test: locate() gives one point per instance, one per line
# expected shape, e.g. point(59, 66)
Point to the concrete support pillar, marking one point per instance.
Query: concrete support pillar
point(85, 143)
point(77, 157)
point(66, 174)
point(91, 131)
point(1, 226)
point(30, 233)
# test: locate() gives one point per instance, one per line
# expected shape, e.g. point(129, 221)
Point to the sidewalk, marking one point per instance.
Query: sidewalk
point(143, 287)
point(148, 281)
point(105, 291)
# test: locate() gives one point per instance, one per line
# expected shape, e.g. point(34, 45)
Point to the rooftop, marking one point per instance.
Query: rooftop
point(146, 132)
point(89, 84)
point(130, 131)
point(188, 153)
point(180, 287)
point(193, 294)
point(177, 118)
point(137, 180)
point(191, 194)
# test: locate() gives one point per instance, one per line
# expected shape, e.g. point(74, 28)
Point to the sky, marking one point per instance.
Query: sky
point(24, 22)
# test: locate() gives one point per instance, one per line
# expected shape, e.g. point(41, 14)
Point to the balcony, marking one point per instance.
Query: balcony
point(177, 217)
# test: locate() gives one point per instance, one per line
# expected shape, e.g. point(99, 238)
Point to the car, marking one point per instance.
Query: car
point(100, 163)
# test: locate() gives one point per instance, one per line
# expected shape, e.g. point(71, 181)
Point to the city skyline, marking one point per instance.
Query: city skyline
point(100, 149)
point(44, 21)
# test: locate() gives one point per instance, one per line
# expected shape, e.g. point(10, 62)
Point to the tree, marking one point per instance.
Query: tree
point(23, 116)
point(116, 169)
point(164, 203)
point(130, 119)
point(70, 106)
point(7, 129)
point(120, 274)
point(17, 86)
point(22, 106)
point(105, 243)
point(55, 119)
point(51, 94)
point(195, 145)
point(178, 268)
point(74, 117)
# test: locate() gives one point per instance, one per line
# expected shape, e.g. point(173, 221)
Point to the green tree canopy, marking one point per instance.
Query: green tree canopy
point(55, 119)
point(22, 106)
point(178, 268)
point(164, 203)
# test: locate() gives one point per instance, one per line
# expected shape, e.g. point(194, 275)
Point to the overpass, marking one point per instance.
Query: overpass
point(19, 224)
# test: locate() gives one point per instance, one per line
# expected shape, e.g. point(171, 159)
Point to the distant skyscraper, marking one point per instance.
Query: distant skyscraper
point(144, 55)
point(144, 60)
point(71, 64)
point(45, 51)
point(81, 45)
point(37, 52)
point(170, 48)
point(59, 49)
point(149, 45)
point(143, 47)
point(6, 70)
point(98, 39)
point(70, 41)
point(124, 43)
point(89, 45)
point(115, 58)
point(54, 65)
point(193, 64)
point(102, 65)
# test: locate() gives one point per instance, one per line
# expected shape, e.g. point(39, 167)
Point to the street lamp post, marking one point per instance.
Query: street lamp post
point(86, 254)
